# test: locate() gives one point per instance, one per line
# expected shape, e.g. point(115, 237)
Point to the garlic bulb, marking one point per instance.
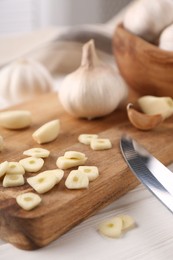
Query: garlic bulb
point(166, 39)
point(94, 89)
point(23, 80)
point(148, 18)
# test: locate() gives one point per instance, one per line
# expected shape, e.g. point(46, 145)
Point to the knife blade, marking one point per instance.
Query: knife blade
point(156, 177)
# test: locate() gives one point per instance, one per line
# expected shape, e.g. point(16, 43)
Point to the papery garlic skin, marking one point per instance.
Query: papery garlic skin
point(156, 105)
point(166, 39)
point(147, 18)
point(24, 79)
point(94, 89)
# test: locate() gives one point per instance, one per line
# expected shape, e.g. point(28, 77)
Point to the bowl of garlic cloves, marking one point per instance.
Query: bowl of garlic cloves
point(143, 47)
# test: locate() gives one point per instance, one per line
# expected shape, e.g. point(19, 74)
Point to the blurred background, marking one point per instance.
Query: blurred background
point(18, 16)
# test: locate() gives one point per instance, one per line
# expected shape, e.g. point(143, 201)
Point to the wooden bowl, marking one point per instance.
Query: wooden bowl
point(146, 68)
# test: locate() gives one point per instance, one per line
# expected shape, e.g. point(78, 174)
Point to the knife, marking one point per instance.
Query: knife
point(156, 177)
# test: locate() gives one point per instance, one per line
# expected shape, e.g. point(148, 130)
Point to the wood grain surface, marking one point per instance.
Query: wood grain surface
point(61, 209)
point(146, 68)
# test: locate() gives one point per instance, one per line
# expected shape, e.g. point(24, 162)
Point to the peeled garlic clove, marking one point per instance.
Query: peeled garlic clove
point(1, 143)
point(156, 105)
point(24, 79)
point(37, 152)
point(94, 89)
point(57, 173)
point(47, 132)
point(166, 39)
point(15, 119)
point(32, 164)
point(76, 180)
point(28, 200)
point(142, 121)
point(111, 228)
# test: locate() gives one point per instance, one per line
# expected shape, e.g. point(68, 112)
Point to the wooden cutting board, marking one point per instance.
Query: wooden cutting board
point(61, 209)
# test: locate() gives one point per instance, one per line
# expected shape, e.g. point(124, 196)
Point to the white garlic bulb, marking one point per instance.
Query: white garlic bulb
point(94, 89)
point(166, 39)
point(23, 80)
point(147, 18)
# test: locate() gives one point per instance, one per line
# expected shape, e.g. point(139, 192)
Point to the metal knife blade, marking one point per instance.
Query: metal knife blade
point(150, 171)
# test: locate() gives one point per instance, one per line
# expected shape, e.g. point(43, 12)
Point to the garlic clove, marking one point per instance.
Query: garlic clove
point(66, 163)
point(47, 132)
point(142, 121)
point(74, 155)
point(166, 39)
point(94, 89)
point(156, 105)
point(24, 79)
point(15, 119)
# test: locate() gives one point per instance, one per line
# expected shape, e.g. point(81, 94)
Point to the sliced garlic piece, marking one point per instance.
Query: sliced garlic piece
point(28, 200)
point(86, 138)
point(1, 143)
point(15, 119)
point(13, 180)
point(101, 144)
point(65, 163)
point(58, 173)
point(47, 132)
point(37, 152)
point(3, 168)
point(111, 228)
point(91, 171)
point(156, 105)
point(128, 222)
point(74, 155)
point(43, 182)
point(15, 168)
point(32, 164)
point(76, 180)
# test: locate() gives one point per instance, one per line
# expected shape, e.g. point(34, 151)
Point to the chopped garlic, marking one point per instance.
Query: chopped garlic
point(15, 168)
point(111, 228)
point(32, 164)
point(13, 180)
point(28, 200)
point(76, 180)
point(65, 163)
point(3, 168)
point(37, 152)
point(86, 138)
point(101, 144)
point(43, 182)
point(91, 171)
